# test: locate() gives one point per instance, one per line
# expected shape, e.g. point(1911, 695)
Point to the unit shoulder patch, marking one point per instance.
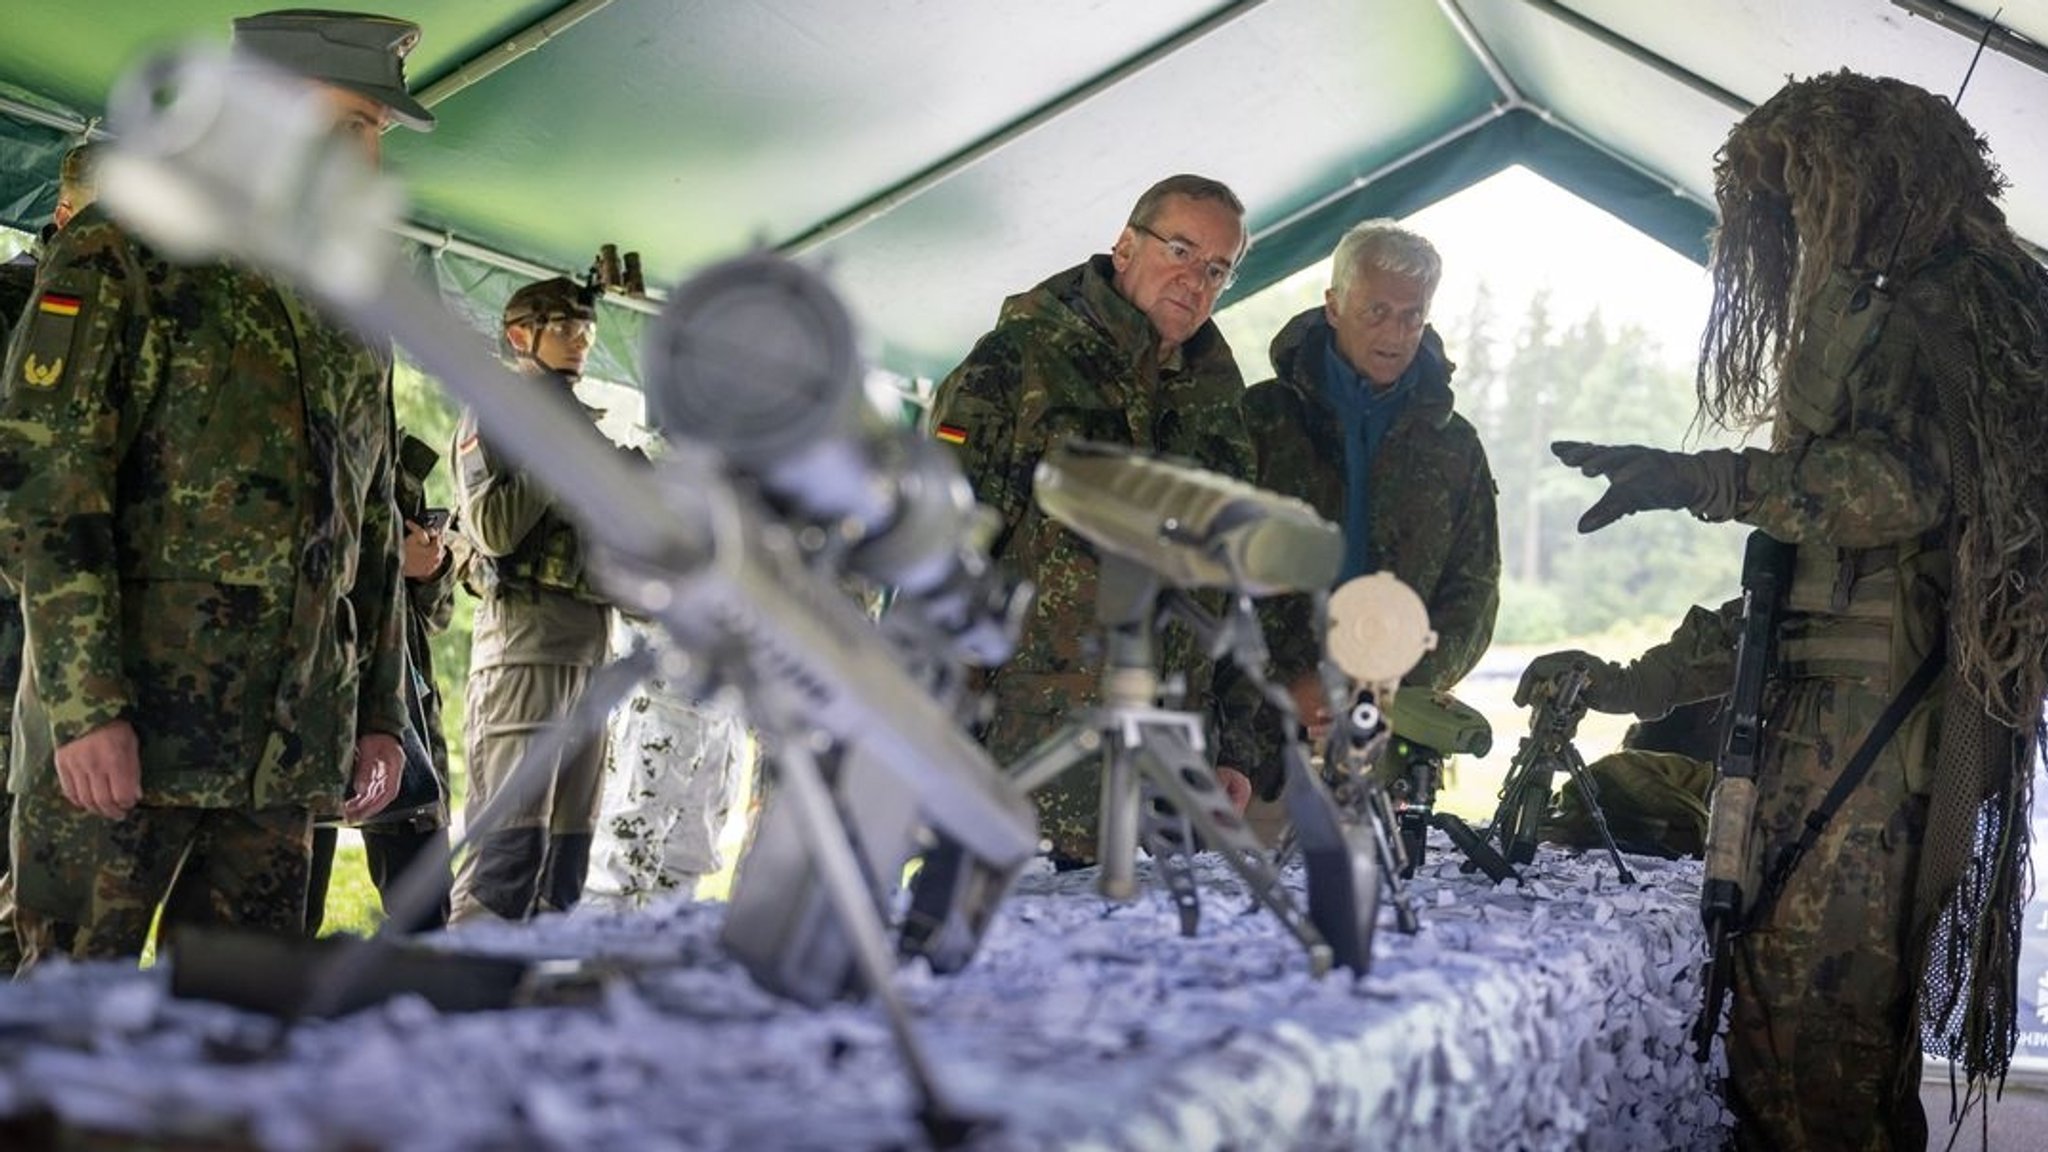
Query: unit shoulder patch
point(49, 331)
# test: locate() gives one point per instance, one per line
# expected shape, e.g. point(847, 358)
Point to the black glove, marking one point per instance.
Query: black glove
point(1607, 684)
point(1639, 479)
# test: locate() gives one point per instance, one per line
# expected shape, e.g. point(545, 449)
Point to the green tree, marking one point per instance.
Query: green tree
point(1582, 381)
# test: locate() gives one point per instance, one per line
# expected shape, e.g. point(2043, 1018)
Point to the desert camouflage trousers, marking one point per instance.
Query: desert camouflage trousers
point(1823, 1044)
point(88, 887)
point(539, 853)
point(674, 769)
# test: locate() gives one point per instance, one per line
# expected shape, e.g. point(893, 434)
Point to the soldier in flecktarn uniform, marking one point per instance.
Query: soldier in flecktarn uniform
point(1872, 305)
point(1119, 350)
point(196, 504)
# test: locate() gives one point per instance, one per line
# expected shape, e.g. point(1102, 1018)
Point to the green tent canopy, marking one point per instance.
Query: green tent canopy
point(936, 156)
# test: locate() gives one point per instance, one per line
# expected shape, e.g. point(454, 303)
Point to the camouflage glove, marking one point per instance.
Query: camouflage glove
point(1640, 479)
point(1607, 684)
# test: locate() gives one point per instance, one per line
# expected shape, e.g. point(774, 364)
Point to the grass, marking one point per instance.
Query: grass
point(352, 902)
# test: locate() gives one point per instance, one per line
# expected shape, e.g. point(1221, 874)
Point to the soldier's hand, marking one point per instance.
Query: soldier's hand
point(424, 552)
point(380, 764)
point(1606, 683)
point(1638, 479)
point(101, 771)
point(1236, 785)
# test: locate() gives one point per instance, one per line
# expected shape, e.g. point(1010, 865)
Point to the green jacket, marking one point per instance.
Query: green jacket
point(1694, 664)
point(1434, 524)
point(196, 498)
point(1073, 358)
point(537, 605)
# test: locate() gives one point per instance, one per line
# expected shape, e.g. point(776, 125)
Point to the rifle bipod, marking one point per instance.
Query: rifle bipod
point(1344, 825)
point(1525, 795)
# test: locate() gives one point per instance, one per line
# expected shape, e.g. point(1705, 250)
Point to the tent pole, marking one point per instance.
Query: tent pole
point(61, 121)
point(1643, 56)
point(2005, 41)
point(1395, 165)
point(1481, 51)
point(520, 44)
point(436, 242)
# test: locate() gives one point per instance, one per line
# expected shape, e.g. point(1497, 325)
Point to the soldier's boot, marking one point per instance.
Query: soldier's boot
point(501, 875)
point(568, 862)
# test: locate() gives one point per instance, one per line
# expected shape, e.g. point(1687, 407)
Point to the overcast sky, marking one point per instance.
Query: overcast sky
point(1521, 233)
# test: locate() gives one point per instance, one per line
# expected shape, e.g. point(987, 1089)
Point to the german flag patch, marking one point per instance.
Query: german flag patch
point(47, 343)
point(951, 433)
point(58, 304)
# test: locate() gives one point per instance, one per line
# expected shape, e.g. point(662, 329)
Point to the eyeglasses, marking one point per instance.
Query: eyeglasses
point(571, 328)
point(1219, 274)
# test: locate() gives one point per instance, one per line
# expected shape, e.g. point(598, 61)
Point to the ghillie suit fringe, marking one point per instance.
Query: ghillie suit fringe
point(1849, 171)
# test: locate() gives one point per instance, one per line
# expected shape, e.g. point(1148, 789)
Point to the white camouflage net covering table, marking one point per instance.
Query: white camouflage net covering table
point(1551, 1017)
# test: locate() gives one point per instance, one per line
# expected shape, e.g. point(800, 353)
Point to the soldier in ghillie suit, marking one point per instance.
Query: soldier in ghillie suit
point(540, 628)
point(196, 501)
point(1872, 304)
point(1358, 421)
point(1120, 350)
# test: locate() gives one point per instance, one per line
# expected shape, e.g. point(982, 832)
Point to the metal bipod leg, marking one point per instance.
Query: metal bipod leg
point(1342, 863)
point(1525, 795)
point(1315, 808)
point(1167, 760)
point(804, 784)
point(1393, 857)
point(1575, 768)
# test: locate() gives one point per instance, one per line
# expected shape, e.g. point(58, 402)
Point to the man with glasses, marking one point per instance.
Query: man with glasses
point(540, 628)
point(1118, 349)
point(1359, 423)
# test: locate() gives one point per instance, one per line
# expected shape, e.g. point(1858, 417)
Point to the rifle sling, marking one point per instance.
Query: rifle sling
point(1858, 767)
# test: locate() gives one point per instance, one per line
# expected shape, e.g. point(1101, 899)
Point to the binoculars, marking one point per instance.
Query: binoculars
point(611, 274)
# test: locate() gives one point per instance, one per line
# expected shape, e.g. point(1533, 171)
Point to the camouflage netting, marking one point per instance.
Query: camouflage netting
point(1852, 172)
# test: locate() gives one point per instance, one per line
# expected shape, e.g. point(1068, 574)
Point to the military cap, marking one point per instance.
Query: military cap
point(358, 51)
point(553, 298)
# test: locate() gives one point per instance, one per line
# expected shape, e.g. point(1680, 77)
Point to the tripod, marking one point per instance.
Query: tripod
point(1158, 787)
point(1525, 794)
